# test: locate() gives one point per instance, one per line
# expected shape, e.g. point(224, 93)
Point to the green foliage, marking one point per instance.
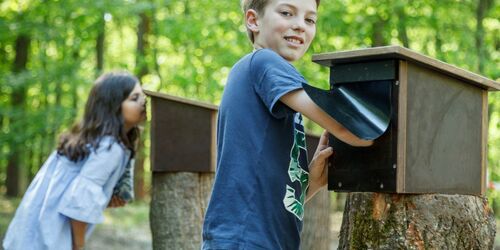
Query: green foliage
point(191, 47)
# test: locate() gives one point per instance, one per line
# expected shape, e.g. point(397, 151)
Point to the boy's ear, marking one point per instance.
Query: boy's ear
point(251, 20)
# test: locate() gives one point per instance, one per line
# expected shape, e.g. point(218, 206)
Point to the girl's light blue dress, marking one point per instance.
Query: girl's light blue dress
point(63, 189)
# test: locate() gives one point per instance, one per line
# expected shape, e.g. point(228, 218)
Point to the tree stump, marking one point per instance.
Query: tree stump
point(316, 231)
point(178, 204)
point(429, 221)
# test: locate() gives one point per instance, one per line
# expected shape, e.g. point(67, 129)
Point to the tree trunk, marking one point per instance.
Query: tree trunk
point(154, 48)
point(436, 26)
point(3, 54)
point(378, 32)
point(178, 205)
point(143, 30)
point(139, 189)
point(429, 221)
point(315, 233)
point(99, 46)
point(17, 98)
point(483, 7)
point(13, 181)
point(29, 162)
point(438, 44)
point(402, 32)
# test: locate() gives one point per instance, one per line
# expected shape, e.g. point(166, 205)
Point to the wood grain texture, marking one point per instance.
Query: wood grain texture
point(402, 121)
point(484, 142)
point(213, 142)
point(444, 134)
point(183, 136)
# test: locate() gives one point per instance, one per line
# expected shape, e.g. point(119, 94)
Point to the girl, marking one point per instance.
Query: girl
point(73, 187)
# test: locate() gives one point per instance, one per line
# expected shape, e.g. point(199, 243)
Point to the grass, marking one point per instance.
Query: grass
point(7, 210)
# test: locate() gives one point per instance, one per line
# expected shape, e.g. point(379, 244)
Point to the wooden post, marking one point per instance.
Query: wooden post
point(429, 221)
point(183, 162)
point(178, 205)
point(316, 230)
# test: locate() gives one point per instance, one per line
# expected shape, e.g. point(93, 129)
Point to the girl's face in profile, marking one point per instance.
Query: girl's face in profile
point(134, 108)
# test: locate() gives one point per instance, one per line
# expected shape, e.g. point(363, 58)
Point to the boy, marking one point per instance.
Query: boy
point(262, 178)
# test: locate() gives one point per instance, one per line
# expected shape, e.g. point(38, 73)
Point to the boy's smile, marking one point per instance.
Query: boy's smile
point(285, 26)
point(295, 41)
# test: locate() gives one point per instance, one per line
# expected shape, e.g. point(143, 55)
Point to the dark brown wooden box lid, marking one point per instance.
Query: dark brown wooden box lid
point(398, 52)
point(181, 100)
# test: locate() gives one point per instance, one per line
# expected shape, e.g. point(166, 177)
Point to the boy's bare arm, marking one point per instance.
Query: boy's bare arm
point(299, 101)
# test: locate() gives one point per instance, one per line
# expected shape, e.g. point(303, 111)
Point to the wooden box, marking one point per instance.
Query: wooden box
point(183, 134)
point(437, 135)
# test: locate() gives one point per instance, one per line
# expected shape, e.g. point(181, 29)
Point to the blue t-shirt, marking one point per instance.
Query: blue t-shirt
point(262, 175)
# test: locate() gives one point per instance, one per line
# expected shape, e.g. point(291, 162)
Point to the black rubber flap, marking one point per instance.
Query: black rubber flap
point(364, 108)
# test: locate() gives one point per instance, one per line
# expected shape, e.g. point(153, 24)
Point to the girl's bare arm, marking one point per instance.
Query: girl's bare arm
point(78, 229)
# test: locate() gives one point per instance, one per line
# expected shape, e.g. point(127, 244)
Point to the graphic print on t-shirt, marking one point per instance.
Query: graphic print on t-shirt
point(296, 172)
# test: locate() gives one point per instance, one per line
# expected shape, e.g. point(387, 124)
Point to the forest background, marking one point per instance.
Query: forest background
point(51, 52)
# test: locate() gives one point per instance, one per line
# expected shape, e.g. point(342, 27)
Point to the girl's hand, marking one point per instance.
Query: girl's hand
point(75, 247)
point(318, 170)
point(116, 202)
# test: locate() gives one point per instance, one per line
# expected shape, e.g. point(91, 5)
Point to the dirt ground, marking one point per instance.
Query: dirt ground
point(108, 236)
point(128, 228)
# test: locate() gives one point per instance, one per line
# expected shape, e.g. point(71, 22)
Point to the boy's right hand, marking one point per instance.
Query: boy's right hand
point(318, 169)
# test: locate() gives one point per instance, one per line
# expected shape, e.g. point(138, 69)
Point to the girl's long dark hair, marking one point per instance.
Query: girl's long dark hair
point(102, 116)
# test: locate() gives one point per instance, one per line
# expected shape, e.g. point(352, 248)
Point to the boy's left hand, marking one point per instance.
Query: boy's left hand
point(318, 170)
point(116, 202)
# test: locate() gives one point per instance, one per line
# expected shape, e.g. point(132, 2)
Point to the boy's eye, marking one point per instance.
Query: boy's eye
point(310, 21)
point(286, 13)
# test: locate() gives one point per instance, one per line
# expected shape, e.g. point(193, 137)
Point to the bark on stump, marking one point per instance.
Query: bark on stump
point(178, 205)
point(430, 221)
point(316, 231)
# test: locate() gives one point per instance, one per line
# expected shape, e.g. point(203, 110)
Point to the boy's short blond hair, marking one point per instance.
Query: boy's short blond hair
point(257, 5)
